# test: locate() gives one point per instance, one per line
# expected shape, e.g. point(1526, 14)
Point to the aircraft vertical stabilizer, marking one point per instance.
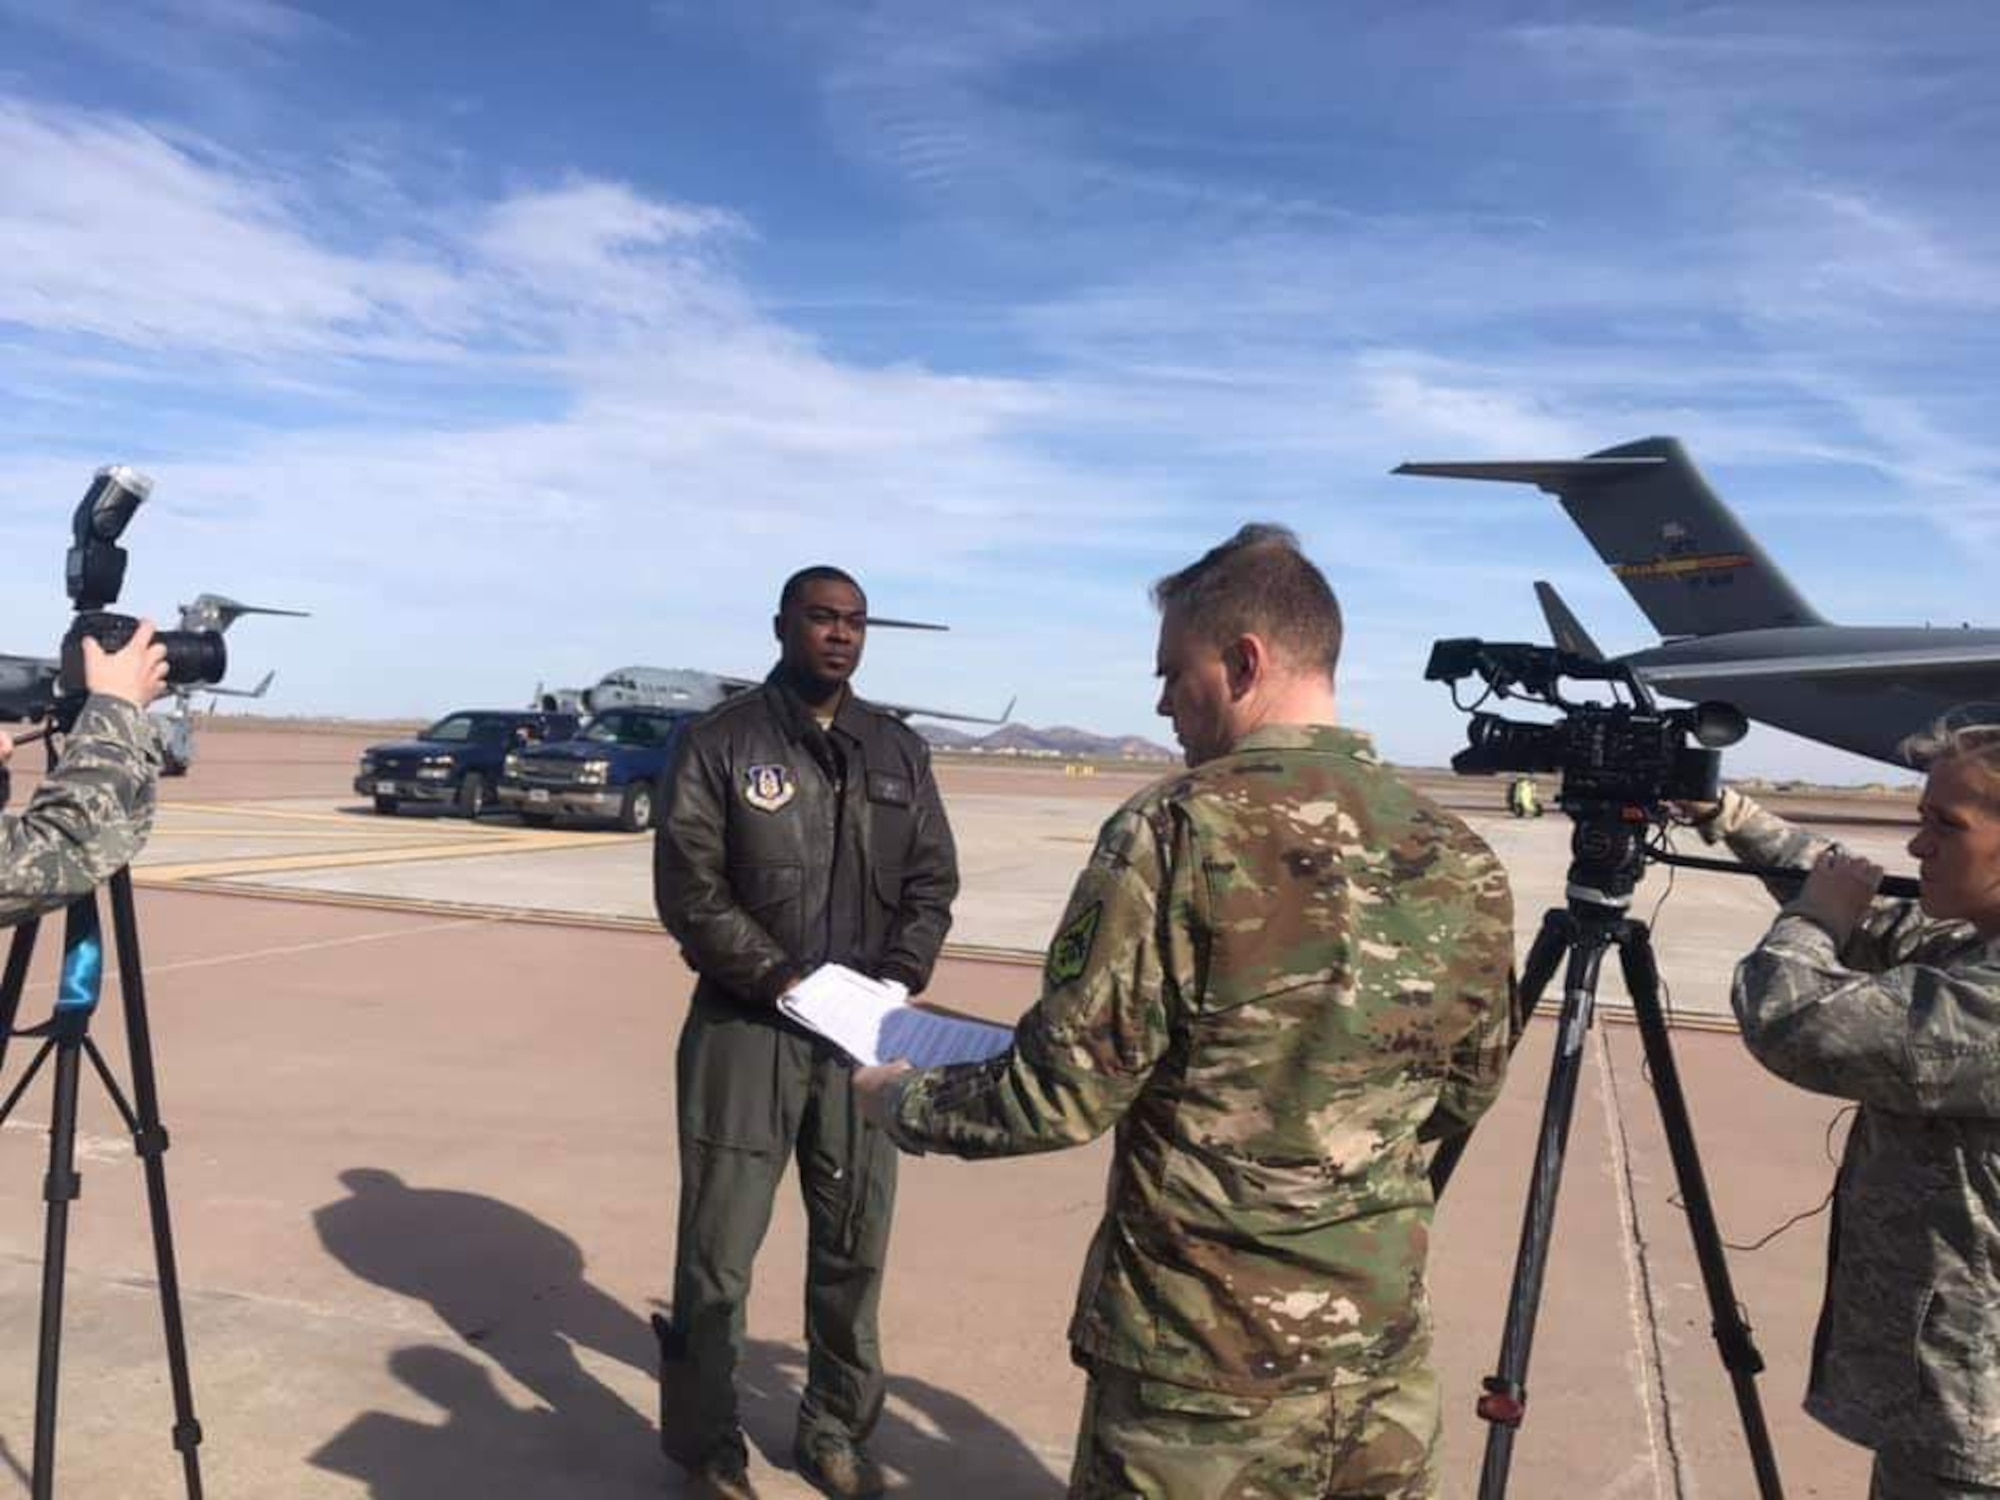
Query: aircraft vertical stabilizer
point(1680, 552)
point(1564, 628)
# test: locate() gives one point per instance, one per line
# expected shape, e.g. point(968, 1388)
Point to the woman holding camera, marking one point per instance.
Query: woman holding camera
point(1896, 1005)
point(90, 817)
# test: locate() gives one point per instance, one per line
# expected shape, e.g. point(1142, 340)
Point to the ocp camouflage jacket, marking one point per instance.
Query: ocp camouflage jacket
point(88, 819)
point(1904, 1017)
point(1281, 974)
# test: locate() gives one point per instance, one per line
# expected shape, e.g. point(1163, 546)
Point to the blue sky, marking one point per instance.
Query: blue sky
point(522, 341)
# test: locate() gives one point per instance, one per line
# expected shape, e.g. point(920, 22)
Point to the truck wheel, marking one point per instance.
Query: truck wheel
point(637, 814)
point(538, 820)
point(386, 806)
point(471, 799)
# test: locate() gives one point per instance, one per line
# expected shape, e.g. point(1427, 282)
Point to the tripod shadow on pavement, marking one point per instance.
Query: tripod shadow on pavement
point(513, 1288)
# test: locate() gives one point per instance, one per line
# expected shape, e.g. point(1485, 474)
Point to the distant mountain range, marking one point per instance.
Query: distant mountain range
point(1022, 739)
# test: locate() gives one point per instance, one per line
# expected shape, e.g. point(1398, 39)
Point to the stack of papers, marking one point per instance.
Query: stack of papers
point(872, 1023)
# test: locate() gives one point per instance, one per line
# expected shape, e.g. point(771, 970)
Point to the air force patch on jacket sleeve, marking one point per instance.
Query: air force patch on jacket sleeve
point(768, 788)
point(1069, 955)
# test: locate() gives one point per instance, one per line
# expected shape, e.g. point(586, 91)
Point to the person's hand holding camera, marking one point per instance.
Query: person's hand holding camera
point(1838, 891)
point(137, 672)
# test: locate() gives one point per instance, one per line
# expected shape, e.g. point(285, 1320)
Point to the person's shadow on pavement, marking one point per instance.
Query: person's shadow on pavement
point(514, 1288)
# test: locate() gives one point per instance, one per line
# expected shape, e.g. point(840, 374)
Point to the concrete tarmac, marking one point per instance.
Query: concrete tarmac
point(423, 1185)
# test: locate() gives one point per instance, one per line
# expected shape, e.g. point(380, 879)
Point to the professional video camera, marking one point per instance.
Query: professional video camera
point(1622, 763)
point(1611, 756)
point(94, 573)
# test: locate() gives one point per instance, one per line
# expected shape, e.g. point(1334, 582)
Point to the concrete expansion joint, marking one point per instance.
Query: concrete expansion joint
point(1671, 1480)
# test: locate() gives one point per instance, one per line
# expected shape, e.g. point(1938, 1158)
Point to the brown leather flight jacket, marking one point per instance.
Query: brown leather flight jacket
point(785, 846)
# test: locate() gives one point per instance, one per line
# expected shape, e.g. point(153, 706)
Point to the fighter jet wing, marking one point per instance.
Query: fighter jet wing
point(1945, 661)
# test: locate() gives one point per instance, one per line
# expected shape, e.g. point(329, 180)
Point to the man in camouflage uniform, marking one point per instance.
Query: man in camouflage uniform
point(1281, 975)
point(1896, 1004)
point(92, 814)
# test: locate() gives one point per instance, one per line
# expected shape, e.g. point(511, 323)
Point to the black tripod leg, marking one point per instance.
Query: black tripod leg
point(1732, 1334)
point(1506, 1398)
point(1551, 942)
point(20, 953)
point(60, 1189)
point(150, 1140)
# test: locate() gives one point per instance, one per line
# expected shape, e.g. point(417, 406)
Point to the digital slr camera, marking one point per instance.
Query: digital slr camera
point(94, 573)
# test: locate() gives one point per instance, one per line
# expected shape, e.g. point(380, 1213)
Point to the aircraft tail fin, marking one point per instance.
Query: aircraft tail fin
point(1679, 550)
point(1564, 628)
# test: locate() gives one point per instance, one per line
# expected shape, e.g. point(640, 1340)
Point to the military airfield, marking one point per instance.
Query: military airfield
point(419, 1076)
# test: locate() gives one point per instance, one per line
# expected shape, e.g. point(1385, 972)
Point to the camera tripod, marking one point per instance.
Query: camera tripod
point(66, 1035)
point(1607, 859)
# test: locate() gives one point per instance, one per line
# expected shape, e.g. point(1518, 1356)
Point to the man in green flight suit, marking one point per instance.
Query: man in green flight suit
point(803, 828)
point(1282, 974)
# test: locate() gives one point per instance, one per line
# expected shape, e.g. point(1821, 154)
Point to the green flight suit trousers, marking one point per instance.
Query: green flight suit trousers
point(752, 1095)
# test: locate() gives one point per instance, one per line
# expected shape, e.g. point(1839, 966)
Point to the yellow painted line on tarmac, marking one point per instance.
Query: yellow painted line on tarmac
point(178, 831)
point(330, 859)
point(295, 815)
point(425, 906)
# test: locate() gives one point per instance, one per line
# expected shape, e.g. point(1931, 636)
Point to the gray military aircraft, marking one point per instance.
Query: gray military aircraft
point(1732, 625)
point(696, 691)
point(27, 683)
point(176, 721)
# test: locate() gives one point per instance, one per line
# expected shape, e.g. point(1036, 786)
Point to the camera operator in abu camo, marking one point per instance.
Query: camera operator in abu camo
point(92, 814)
point(1896, 1005)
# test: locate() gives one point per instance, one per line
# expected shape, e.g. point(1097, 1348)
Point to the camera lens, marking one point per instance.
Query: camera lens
point(1513, 746)
point(194, 655)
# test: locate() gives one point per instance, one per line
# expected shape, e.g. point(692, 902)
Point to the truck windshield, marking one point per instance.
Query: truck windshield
point(629, 729)
point(461, 729)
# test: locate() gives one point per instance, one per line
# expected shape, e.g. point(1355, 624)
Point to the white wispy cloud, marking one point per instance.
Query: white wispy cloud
point(1117, 314)
point(202, 44)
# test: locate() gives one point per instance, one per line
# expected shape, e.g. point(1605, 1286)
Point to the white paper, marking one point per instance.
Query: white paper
point(868, 1020)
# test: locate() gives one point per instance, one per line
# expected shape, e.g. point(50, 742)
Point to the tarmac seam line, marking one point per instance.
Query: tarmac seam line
point(1640, 1301)
point(285, 950)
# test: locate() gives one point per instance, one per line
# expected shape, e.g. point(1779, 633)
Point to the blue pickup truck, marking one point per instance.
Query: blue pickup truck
point(615, 770)
point(457, 760)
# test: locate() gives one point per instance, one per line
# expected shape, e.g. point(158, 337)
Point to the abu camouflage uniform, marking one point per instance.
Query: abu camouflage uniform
point(88, 819)
point(1281, 975)
point(1903, 1017)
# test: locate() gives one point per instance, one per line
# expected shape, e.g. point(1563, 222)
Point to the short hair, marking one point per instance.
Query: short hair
point(817, 573)
point(1970, 733)
point(1258, 583)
